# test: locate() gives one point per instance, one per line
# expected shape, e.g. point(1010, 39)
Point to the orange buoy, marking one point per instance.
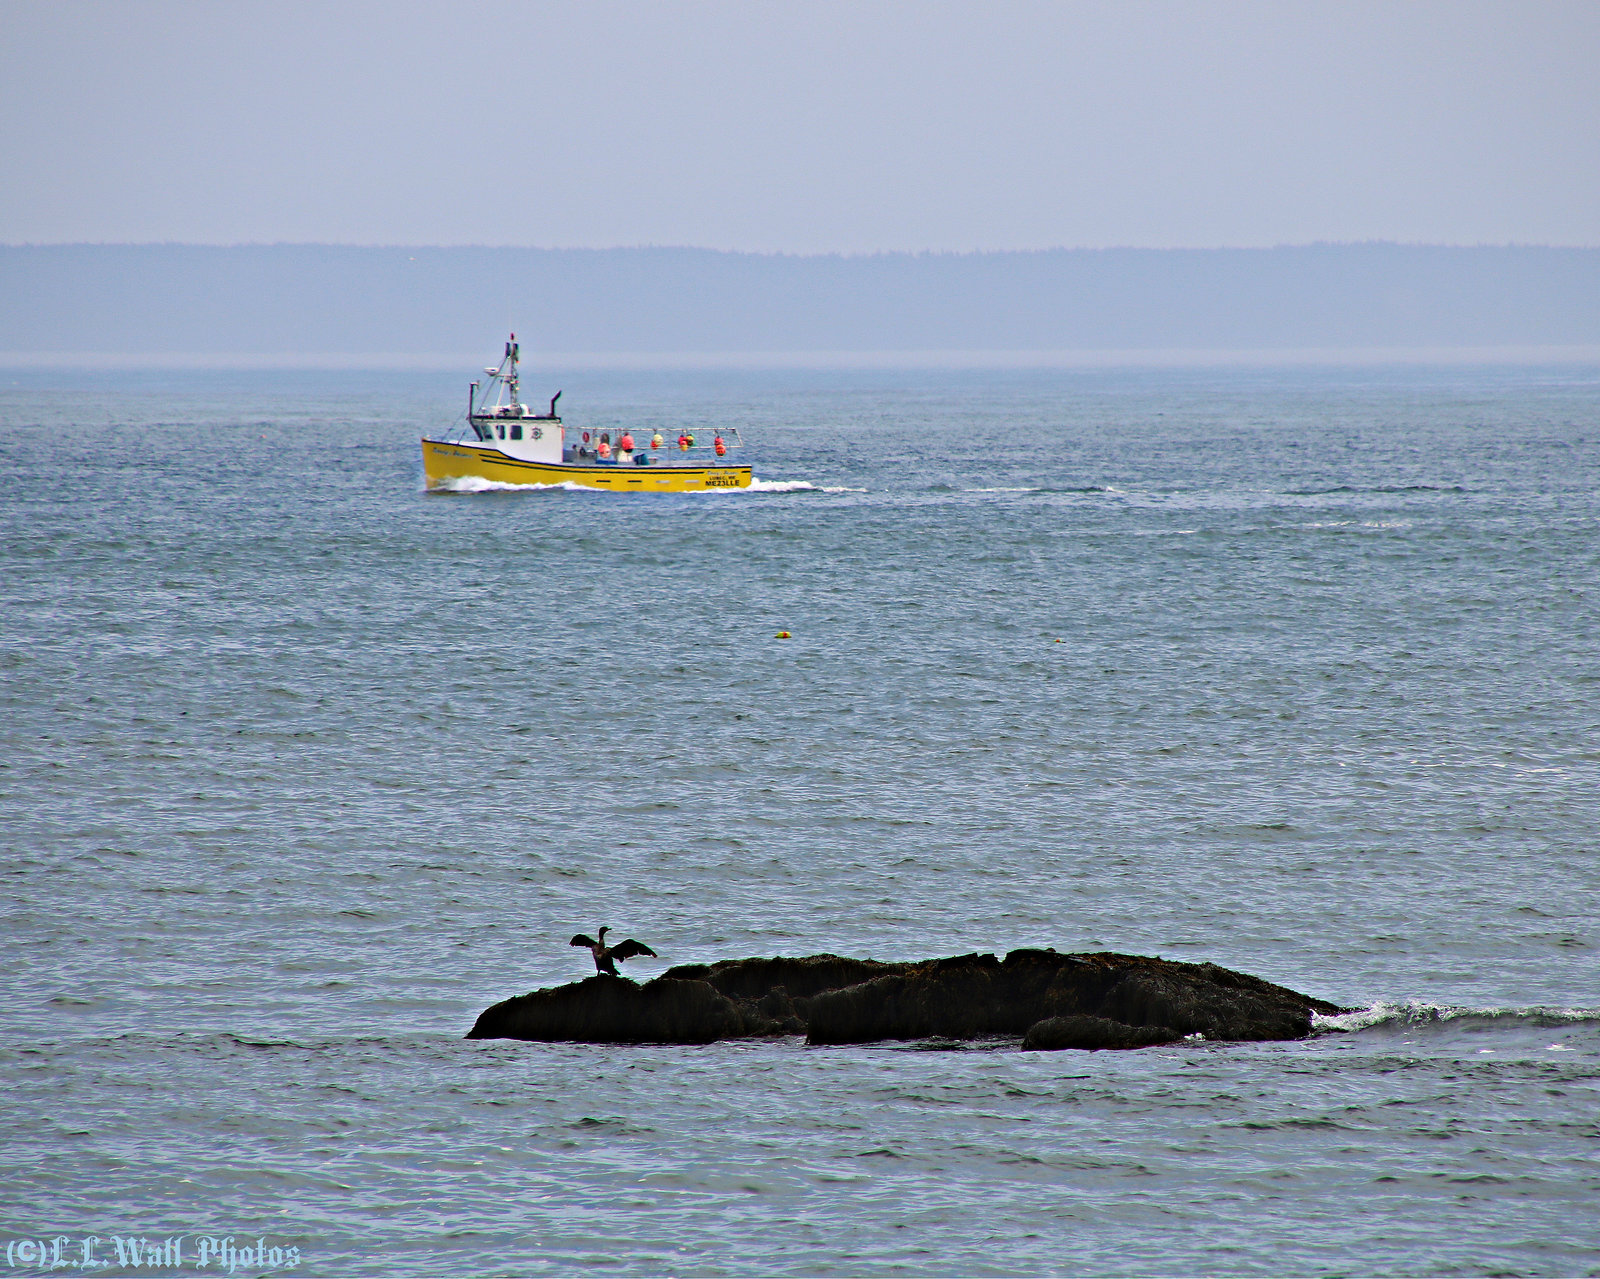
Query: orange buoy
point(721, 447)
point(627, 442)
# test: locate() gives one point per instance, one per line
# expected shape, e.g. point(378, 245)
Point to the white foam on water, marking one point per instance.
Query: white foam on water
point(777, 486)
point(1417, 1013)
point(476, 484)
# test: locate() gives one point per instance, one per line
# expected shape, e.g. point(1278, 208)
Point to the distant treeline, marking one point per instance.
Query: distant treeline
point(326, 299)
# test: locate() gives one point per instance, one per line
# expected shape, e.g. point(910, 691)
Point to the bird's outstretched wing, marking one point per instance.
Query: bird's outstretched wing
point(581, 940)
point(628, 949)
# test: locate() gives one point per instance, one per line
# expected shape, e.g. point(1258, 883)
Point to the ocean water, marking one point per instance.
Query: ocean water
point(1294, 671)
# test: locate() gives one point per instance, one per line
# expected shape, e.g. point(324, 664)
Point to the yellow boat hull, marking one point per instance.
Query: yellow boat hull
point(446, 465)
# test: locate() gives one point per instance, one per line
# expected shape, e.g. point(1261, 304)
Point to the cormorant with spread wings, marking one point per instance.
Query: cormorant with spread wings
point(606, 958)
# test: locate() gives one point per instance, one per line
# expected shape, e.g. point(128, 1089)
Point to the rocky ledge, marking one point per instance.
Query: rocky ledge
point(1050, 1000)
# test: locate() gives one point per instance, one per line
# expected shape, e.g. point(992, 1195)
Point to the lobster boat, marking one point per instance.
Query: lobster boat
point(504, 442)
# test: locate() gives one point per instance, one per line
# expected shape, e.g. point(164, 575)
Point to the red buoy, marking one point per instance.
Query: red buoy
point(721, 447)
point(627, 442)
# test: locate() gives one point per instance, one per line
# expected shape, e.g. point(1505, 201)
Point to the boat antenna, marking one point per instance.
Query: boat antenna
point(511, 378)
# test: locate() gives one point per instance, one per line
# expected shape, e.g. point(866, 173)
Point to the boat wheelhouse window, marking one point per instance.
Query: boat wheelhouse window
point(516, 430)
point(501, 428)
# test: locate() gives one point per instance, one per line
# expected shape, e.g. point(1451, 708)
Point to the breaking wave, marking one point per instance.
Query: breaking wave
point(1416, 1013)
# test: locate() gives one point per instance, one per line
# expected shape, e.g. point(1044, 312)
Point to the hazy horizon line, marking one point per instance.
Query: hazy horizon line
point(789, 253)
point(777, 361)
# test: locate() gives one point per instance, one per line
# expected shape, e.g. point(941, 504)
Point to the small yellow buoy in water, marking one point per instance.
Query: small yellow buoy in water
point(783, 635)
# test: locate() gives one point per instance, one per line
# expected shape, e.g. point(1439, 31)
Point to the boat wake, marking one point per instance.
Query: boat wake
point(476, 484)
point(1416, 1013)
point(794, 486)
point(758, 485)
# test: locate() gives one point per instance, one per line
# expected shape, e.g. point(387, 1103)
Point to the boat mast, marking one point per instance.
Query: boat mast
point(511, 377)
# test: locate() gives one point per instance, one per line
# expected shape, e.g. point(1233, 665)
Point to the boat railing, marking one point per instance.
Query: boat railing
point(698, 455)
point(669, 453)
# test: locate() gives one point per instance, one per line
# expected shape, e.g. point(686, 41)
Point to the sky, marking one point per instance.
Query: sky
point(813, 127)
